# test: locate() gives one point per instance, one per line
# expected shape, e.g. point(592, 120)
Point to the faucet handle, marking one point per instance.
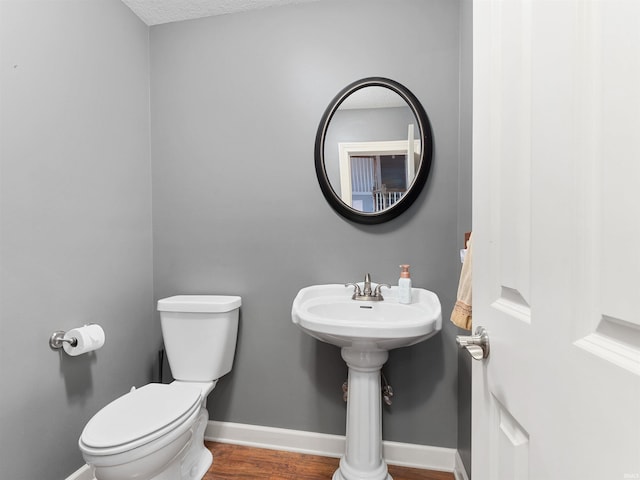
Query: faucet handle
point(356, 290)
point(377, 292)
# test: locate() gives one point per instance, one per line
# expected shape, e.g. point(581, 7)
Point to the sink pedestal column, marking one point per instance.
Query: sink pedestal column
point(363, 452)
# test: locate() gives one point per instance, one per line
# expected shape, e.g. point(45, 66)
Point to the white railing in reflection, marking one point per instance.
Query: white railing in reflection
point(384, 198)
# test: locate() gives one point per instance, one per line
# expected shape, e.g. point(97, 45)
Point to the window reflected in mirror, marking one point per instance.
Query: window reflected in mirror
point(376, 175)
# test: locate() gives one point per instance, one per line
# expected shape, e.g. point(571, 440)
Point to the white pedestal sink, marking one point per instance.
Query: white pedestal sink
point(366, 331)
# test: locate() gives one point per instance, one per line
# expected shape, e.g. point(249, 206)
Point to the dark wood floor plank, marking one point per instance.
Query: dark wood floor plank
point(236, 462)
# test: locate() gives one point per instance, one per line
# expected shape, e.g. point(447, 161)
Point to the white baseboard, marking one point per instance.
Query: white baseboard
point(459, 471)
point(83, 473)
point(395, 453)
point(275, 438)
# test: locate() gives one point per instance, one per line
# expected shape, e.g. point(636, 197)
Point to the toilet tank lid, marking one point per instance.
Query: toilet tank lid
point(199, 303)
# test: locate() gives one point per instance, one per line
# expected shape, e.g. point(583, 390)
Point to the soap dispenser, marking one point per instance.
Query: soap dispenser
point(404, 285)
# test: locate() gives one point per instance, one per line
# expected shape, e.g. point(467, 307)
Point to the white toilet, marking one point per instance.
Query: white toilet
point(156, 432)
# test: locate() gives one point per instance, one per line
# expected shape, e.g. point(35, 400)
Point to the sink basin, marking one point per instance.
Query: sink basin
point(327, 313)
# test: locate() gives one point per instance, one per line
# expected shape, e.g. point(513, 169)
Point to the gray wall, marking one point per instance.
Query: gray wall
point(464, 215)
point(75, 232)
point(236, 101)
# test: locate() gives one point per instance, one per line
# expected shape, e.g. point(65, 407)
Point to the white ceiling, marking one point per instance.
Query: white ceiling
point(154, 12)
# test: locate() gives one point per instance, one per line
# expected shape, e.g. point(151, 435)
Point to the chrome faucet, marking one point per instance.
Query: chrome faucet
point(367, 294)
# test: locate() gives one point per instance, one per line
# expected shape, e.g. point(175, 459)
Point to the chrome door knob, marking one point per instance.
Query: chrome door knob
point(477, 344)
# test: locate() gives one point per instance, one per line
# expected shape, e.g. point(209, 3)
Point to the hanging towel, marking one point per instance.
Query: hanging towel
point(461, 315)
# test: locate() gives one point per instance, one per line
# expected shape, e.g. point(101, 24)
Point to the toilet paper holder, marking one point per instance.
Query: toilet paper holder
point(57, 340)
point(78, 340)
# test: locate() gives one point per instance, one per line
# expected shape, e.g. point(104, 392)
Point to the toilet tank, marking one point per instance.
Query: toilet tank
point(200, 333)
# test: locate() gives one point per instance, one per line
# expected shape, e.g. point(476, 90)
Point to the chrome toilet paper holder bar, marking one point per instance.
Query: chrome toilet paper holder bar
point(57, 340)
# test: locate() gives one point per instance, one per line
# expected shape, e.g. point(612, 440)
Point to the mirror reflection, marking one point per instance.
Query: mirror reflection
point(373, 150)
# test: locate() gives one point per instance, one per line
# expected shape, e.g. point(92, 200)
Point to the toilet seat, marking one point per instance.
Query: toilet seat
point(140, 417)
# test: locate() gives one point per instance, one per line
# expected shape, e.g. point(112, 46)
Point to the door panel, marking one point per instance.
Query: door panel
point(511, 455)
point(556, 154)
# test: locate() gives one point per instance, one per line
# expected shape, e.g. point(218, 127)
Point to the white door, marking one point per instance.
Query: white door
point(556, 222)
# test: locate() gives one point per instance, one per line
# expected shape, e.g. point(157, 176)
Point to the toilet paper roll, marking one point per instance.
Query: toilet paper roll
point(88, 338)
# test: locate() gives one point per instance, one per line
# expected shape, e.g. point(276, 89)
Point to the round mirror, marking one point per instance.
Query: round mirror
point(373, 150)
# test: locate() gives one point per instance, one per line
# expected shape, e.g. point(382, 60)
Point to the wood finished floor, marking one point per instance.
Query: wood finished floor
point(232, 462)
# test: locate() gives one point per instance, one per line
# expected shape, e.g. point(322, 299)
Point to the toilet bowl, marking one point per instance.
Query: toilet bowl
point(156, 432)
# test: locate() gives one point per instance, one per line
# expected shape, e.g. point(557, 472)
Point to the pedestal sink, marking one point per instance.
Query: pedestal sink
point(365, 331)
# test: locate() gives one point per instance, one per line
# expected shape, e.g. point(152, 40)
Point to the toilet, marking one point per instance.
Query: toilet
point(156, 432)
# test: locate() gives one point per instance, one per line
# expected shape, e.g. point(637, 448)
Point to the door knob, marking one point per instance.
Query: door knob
point(477, 344)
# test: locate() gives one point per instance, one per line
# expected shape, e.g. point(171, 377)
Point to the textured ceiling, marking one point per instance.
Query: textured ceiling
point(154, 12)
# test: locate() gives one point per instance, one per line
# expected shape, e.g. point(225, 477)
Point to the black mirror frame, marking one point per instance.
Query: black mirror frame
point(426, 153)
